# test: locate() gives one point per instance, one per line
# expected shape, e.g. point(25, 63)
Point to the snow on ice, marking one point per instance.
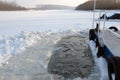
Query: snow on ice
point(29, 28)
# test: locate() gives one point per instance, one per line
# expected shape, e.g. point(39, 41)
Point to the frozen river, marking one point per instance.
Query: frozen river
point(33, 32)
point(12, 22)
point(33, 35)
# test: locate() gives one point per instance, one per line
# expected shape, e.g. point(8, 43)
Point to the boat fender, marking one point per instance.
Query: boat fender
point(91, 34)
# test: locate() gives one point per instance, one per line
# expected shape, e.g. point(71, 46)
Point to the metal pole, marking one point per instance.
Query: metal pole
point(99, 17)
point(94, 13)
point(104, 21)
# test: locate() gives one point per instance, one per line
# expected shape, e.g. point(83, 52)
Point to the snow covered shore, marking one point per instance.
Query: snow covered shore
point(30, 54)
point(27, 55)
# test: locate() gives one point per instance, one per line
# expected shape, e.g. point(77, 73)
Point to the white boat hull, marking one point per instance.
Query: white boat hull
point(112, 41)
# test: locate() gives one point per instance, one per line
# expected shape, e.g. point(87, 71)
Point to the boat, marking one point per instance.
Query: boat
point(105, 43)
point(113, 16)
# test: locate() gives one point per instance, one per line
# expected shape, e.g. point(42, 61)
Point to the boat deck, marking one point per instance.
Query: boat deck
point(112, 42)
point(118, 32)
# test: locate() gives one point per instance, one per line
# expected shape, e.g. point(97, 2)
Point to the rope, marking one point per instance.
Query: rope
point(116, 67)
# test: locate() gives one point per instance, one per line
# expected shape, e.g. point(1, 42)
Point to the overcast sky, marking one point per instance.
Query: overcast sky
point(33, 3)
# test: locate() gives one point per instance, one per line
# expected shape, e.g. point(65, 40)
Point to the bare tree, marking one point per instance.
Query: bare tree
point(10, 6)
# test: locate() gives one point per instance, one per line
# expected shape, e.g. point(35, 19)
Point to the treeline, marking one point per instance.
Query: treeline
point(100, 4)
point(53, 7)
point(10, 6)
